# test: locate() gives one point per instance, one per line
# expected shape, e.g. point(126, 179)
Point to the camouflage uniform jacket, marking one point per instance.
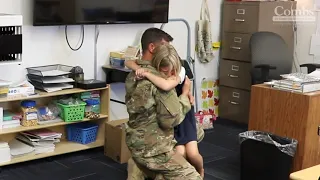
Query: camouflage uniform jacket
point(153, 113)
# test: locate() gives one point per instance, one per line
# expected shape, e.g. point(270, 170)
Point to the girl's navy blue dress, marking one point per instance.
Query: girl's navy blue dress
point(187, 130)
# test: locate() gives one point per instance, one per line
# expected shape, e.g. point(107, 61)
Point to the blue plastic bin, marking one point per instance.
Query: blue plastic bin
point(83, 133)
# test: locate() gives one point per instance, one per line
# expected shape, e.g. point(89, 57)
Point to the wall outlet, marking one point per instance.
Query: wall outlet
point(315, 45)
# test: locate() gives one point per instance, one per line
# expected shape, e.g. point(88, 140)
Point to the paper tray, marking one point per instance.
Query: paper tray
point(50, 70)
point(49, 80)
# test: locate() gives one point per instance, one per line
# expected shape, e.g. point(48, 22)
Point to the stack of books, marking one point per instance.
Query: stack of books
point(10, 119)
point(298, 82)
point(90, 95)
point(42, 140)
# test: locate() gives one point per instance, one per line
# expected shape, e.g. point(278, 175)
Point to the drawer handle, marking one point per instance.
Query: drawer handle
point(239, 20)
point(236, 95)
point(237, 39)
point(233, 103)
point(233, 76)
point(241, 11)
point(235, 47)
point(234, 68)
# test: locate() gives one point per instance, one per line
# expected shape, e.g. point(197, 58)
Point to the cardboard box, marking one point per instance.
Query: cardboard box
point(115, 141)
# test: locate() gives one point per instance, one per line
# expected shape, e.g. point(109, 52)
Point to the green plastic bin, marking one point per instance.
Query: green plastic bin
point(72, 113)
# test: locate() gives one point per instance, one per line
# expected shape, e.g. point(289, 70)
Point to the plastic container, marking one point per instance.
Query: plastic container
point(29, 113)
point(117, 62)
point(71, 113)
point(83, 133)
point(93, 105)
point(48, 113)
point(266, 156)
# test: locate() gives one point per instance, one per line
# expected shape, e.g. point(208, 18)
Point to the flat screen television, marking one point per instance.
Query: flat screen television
point(80, 12)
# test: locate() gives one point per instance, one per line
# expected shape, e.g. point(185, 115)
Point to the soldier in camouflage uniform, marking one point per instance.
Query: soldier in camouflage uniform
point(153, 113)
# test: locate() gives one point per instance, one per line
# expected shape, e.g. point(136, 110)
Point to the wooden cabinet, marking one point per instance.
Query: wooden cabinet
point(240, 21)
point(290, 115)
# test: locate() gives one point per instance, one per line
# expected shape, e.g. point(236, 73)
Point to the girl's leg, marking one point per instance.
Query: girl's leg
point(181, 149)
point(194, 156)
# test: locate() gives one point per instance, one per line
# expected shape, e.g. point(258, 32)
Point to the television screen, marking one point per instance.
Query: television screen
point(73, 12)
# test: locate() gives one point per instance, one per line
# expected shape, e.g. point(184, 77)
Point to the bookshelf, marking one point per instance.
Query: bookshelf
point(64, 146)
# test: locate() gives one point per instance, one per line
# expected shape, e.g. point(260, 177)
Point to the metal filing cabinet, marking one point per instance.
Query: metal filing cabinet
point(240, 21)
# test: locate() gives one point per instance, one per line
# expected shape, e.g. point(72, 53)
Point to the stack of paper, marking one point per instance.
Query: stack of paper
point(43, 140)
point(5, 155)
point(18, 148)
point(299, 82)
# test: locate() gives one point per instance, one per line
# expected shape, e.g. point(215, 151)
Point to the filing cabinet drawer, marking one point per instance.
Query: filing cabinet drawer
point(236, 46)
point(235, 74)
point(240, 18)
point(234, 104)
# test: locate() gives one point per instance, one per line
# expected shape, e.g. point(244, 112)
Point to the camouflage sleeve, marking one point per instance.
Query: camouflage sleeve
point(171, 110)
point(142, 98)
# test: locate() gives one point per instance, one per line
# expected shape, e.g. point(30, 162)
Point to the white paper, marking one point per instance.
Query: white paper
point(315, 73)
point(19, 148)
point(58, 79)
point(56, 87)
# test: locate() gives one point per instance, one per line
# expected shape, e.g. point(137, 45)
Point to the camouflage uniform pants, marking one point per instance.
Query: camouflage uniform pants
point(137, 172)
point(169, 166)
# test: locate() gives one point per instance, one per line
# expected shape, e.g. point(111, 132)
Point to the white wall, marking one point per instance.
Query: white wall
point(304, 33)
point(47, 45)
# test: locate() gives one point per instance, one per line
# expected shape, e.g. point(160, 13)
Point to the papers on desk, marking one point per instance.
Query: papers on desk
point(299, 82)
point(5, 155)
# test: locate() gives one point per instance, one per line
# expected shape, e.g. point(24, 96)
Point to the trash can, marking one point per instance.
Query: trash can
point(265, 156)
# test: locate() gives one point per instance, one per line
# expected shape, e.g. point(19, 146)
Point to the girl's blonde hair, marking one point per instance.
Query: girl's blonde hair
point(166, 55)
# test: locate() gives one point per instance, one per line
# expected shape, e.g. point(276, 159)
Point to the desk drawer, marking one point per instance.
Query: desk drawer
point(235, 74)
point(240, 18)
point(236, 46)
point(234, 104)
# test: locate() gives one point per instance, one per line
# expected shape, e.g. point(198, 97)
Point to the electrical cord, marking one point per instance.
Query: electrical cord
point(66, 34)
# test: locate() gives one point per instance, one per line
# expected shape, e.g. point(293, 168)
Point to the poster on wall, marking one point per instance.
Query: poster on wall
point(209, 103)
point(210, 96)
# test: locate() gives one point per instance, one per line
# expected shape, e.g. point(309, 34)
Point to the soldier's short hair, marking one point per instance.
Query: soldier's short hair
point(154, 35)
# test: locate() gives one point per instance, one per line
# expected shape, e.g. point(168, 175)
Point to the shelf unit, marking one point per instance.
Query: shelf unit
point(64, 146)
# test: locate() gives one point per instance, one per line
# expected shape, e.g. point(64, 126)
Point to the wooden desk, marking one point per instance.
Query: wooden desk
point(312, 173)
point(290, 115)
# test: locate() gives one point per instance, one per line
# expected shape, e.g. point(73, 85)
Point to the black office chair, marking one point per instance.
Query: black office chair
point(270, 57)
point(310, 67)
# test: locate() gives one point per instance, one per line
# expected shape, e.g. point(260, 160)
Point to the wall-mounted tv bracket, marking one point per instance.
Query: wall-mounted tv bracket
point(189, 61)
point(10, 39)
